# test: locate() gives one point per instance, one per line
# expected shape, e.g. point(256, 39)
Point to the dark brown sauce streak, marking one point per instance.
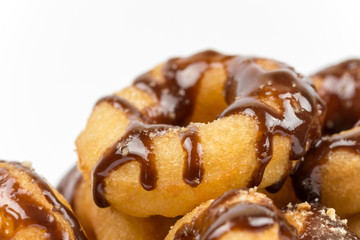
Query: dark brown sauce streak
point(120, 103)
point(24, 211)
point(307, 177)
point(220, 218)
point(301, 107)
point(193, 170)
point(135, 145)
point(68, 185)
point(340, 90)
point(176, 97)
point(318, 225)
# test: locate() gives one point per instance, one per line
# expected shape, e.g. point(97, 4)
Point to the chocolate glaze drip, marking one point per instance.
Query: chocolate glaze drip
point(68, 185)
point(193, 171)
point(135, 145)
point(120, 103)
point(307, 177)
point(176, 95)
point(300, 107)
point(318, 225)
point(246, 86)
point(20, 208)
point(340, 90)
point(220, 218)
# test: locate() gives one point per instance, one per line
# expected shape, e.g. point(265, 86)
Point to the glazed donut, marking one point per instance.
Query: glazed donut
point(317, 222)
point(339, 87)
point(103, 224)
point(31, 209)
point(329, 173)
point(238, 214)
point(265, 115)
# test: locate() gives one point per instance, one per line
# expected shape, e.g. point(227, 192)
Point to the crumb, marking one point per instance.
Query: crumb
point(303, 206)
point(27, 164)
point(331, 214)
point(125, 151)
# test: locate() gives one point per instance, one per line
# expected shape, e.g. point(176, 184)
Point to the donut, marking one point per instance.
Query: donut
point(193, 128)
point(339, 87)
point(31, 209)
point(105, 223)
point(317, 222)
point(329, 173)
point(237, 214)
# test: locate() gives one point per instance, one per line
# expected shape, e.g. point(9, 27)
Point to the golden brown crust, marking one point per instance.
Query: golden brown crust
point(106, 223)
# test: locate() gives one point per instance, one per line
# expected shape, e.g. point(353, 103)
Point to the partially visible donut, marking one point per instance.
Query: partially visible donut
point(317, 222)
point(330, 171)
point(238, 214)
point(107, 224)
point(31, 209)
point(266, 114)
point(339, 87)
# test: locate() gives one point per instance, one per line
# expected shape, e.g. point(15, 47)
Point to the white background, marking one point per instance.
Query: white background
point(58, 57)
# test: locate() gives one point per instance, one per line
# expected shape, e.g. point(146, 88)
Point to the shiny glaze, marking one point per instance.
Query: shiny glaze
point(340, 90)
point(221, 217)
point(307, 177)
point(19, 207)
point(193, 170)
point(135, 145)
point(317, 225)
point(69, 183)
point(247, 85)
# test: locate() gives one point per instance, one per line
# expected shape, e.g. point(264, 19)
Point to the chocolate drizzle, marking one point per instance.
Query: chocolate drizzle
point(222, 217)
point(246, 87)
point(21, 209)
point(124, 105)
point(68, 185)
point(193, 171)
point(340, 90)
point(135, 145)
point(307, 177)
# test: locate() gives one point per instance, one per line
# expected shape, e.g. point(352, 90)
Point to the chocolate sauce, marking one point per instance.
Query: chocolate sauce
point(340, 90)
point(247, 85)
point(120, 103)
point(135, 145)
point(318, 225)
point(22, 210)
point(220, 218)
point(307, 177)
point(176, 95)
point(193, 171)
point(68, 185)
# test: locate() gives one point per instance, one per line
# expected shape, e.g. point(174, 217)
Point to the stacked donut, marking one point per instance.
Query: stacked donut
point(214, 146)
